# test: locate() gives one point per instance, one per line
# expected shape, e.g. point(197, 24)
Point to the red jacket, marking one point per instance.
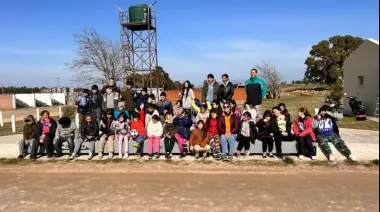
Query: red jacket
point(140, 124)
point(212, 126)
point(308, 125)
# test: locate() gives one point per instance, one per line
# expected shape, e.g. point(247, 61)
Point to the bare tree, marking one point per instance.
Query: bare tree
point(97, 58)
point(272, 77)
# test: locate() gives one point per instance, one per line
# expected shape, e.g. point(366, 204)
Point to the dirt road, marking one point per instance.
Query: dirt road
point(150, 187)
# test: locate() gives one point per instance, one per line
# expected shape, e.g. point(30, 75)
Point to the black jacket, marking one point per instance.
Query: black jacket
point(90, 130)
point(96, 100)
point(50, 134)
point(225, 92)
point(265, 129)
point(252, 130)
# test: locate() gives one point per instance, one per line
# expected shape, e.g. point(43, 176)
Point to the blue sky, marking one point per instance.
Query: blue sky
point(195, 37)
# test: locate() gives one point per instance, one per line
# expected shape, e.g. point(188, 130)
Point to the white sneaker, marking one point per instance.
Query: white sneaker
point(100, 155)
point(313, 157)
point(352, 158)
point(110, 155)
point(301, 157)
point(72, 157)
point(125, 156)
point(331, 158)
point(120, 156)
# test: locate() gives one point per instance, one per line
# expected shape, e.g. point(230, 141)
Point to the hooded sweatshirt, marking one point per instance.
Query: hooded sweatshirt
point(29, 131)
point(155, 129)
point(66, 128)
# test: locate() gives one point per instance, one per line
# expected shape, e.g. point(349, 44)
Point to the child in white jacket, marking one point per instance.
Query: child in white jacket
point(251, 110)
point(155, 131)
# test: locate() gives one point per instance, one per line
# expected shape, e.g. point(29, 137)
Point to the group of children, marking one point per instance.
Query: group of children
point(206, 128)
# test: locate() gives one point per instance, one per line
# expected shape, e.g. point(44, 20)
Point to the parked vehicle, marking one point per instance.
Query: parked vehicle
point(357, 108)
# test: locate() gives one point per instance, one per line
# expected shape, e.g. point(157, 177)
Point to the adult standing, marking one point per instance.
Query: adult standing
point(256, 90)
point(96, 102)
point(225, 90)
point(127, 96)
point(112, 85)
point(187, 95)
point(210, 89)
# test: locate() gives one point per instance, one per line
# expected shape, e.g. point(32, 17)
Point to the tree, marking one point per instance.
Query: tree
point(97, 58)
point(158, 77)
point(325, 63)
point(272, 77)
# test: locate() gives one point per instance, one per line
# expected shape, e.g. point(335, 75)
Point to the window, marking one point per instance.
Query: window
point(361, 80)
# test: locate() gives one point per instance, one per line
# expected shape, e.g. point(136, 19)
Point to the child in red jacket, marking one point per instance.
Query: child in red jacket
point(213, 134)
point(303, 130)
point(138, 127)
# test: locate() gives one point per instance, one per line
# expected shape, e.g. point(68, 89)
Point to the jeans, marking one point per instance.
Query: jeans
point(97, 114)
point(89, 143)
point(47, 142)
point(231, 144)
point(140, 140)
point(25, 143)
point(58, 144)
point(305, 146)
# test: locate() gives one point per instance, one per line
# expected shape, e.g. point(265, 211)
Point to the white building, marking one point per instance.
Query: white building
point(361, 76)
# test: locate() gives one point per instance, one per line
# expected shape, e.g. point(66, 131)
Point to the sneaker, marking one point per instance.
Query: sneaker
point(313, 157)
point(33, 158)
point(167, 155)
point(246, 156)
point(182, 156)
point(331, 158)
point(90, 156)
point(136, 145)
point(120, 155)
point(265, 155)
point(72, 157)
point(150, 156)
point(196, 156)
point(156, 156)
point(59, 155)
point(271, 155)
point(50, 157)
point(224, 158)
point(126, 155)
point(170, 156)
point(110, 155)
point(100, 155)
point(20, 157)
point(231, 158)
point(280, 156)
point(138, 155)
point(301, 157)
point(352, 158)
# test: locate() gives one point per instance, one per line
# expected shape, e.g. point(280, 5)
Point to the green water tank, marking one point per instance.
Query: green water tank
point(139, 14)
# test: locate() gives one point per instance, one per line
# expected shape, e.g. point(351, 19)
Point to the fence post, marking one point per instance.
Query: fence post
point(60, 111)
point(13, 119)
point(1, 119)
point(77, 119)
point(37, 113)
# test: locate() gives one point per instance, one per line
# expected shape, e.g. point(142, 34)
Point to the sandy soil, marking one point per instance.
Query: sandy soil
point(165, 187)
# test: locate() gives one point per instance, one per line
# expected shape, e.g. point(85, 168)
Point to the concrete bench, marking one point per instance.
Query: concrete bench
point(288, 148)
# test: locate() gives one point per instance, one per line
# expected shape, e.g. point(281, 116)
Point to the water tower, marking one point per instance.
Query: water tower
point(139, 43)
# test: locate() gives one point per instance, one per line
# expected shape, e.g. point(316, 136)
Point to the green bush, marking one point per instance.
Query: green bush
point(337, 91)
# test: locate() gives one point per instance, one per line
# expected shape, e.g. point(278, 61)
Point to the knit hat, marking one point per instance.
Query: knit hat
point(121, 104)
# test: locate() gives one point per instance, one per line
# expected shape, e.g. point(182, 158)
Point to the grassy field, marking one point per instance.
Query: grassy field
point(293, 103)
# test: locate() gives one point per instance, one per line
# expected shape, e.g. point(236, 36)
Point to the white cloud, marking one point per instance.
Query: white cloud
point(236, 57)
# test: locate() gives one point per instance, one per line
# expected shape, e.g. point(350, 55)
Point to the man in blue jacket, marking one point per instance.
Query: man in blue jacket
point(256, 90)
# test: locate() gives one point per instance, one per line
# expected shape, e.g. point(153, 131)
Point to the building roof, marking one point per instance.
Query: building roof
point(373, 41)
